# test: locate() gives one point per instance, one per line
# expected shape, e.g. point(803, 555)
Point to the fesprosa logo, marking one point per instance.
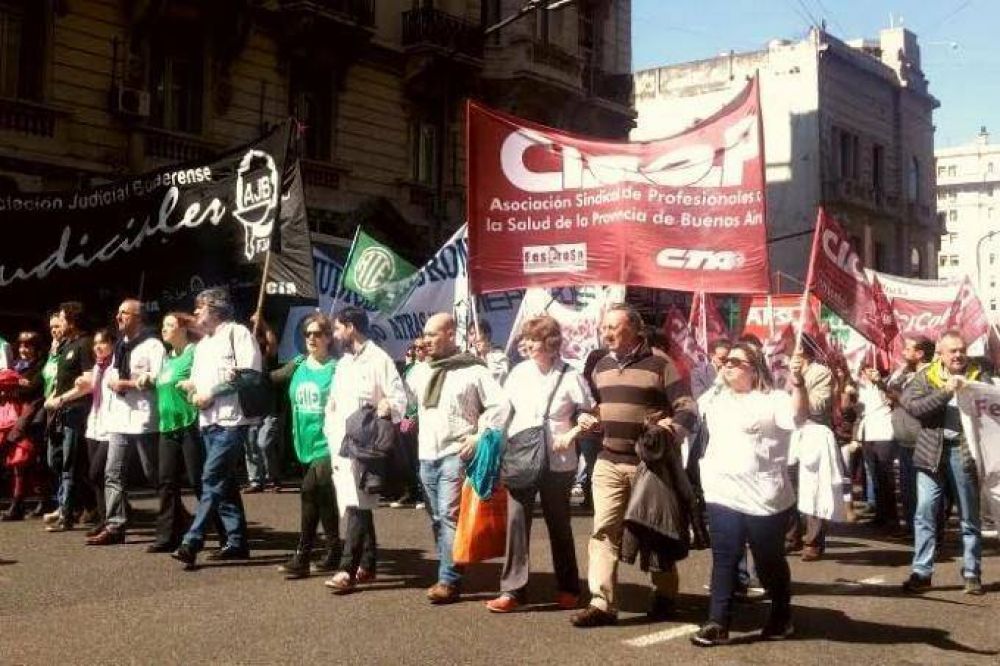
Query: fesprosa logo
point(256, 201)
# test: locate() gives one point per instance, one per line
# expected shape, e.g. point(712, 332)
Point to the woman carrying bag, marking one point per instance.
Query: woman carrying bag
point(547, 397)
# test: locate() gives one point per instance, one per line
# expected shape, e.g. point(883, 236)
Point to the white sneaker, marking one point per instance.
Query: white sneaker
point(419, 505)
point(52, 517)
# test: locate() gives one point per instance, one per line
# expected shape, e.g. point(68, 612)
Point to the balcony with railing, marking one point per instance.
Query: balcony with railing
point(29, 119)
point(176, 147)
point(360, 12)
point(437, 29)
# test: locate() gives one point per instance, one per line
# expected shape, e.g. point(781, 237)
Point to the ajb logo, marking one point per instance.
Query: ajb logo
point(257, 192)
point(373, 269)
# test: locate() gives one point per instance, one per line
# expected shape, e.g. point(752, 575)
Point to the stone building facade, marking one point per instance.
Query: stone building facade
point(847, 125)
point(968, 209)
point(95, 90)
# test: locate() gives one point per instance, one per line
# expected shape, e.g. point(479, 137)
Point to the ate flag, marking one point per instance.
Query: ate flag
point(966, 314)
point(552, 209)
point(705, 321)
point(777, 351)
point(837, 279)
point(374, 271)
point(684, 350)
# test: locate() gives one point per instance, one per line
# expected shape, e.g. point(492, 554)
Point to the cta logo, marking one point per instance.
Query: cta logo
point(257, 191)
point(700, 260)
point(562, 258)
point(374, 267)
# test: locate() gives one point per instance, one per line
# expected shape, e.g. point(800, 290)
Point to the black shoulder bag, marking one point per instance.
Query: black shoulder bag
point(526, 455)
point(253, 389)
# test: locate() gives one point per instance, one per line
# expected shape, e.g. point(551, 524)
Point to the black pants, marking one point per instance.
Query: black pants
point(179, 451)
point(97, 454)
point(730, 530)
point(554, 490)
point(880, 457)
point(360, 546)
point(319, 505)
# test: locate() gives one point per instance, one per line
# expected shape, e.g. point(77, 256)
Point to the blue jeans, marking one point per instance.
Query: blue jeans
point(730, 531)
point(442, 482)
point(262, 451)
point(907, 485)
point(930, 487)
point(219, 488)
point(120, 451)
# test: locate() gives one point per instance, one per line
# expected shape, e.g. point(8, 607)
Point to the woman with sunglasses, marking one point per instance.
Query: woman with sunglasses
point(309, 379)
point(747, 490)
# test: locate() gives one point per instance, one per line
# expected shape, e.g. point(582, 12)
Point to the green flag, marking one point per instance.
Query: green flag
point(377, 273)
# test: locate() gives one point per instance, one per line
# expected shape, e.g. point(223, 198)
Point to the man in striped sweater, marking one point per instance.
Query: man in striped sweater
point(633, 386)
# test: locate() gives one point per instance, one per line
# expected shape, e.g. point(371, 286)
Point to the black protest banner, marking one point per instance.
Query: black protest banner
point(162, 236)
point(291, 269)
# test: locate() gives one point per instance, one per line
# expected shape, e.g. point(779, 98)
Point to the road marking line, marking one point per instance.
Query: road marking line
point(662, 636)
point(876, 580)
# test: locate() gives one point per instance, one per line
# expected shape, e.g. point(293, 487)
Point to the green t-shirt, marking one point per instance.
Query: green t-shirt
point(49, 374)
point(174, 409)
point(308, 391)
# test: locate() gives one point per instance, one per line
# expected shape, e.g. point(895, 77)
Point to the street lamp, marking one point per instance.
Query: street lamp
point(979, 267)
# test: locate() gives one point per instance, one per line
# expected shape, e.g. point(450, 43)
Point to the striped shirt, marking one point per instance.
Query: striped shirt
point(640, 386)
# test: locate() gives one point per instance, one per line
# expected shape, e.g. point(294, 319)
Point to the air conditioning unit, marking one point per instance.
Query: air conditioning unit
point(130, 102)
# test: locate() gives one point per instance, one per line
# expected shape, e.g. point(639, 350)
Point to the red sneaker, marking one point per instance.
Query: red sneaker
point(567, 601)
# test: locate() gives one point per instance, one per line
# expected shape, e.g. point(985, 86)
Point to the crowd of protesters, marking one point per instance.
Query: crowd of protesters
point(667, 456)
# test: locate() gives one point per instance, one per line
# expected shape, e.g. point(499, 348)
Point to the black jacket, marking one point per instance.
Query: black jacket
point(369, 440)
point(658, 516)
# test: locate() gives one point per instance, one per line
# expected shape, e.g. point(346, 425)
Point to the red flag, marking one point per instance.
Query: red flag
point(837, 279)
point(683, 348)
point(778, 350)
point(966, 314)
point(705, 321)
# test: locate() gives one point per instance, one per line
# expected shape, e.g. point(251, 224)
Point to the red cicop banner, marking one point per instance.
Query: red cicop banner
point(551, 209)
point(837, 279)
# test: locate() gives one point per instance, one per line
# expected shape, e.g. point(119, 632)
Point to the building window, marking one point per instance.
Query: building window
point(989, 168)
point(954, 260)
point(312, 104)
point(953, 216)
point(940, 171)
point(913, 181)
point(877, 176)
point(916, 262)
point(952, 238)
point(426, 153)
point(952, 171)
point(952, 197)
point(942, 260)
point(177, 79)
point(22, 48)
point(993, 258)
point(993, 305)
point(847, 155)
point(993, 282)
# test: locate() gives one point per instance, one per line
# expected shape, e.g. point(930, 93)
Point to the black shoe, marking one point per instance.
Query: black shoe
point(661, 608)
point(12, 514)
point(331, 560)
point(38, 511)
point(185, 554)
point(710, 635)
point(166, 547)
point(297, 565)
point(94, 531)
point(917, 583)
point(777, 630)
point(229, 553)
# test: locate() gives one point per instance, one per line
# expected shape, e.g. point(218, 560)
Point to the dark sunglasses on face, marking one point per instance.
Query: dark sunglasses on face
point(733, 362)
point(315, 334)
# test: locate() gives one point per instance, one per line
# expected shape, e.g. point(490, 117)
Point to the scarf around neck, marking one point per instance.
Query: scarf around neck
point(440, 368)
point(123, 352)
point(937, 375)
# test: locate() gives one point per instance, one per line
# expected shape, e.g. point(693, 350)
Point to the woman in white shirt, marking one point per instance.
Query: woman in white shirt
point(528, 388)
point(747, 490)
point(878, 447)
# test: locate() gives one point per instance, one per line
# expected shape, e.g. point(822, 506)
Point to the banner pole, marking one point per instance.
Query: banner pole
point(259, 311)
point(704, 321)
point(770, 315)
point(142, 284)
point(343, 271)
point(809, 279)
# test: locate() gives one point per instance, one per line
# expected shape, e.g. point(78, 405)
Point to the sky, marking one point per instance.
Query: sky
point(956, 45)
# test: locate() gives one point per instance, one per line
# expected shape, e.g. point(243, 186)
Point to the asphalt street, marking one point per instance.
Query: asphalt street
point(62, 602)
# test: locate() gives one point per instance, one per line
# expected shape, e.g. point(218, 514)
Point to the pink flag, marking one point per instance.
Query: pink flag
point(705, 321)
point(966, 314)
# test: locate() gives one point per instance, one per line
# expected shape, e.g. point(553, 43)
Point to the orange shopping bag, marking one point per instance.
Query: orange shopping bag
point(482, 526)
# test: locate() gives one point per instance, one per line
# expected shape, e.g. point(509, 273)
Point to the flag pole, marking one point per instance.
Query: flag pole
point(343, 271)
point(704, 321)
point(770, 315)
point(258, 311)
point(809, 279)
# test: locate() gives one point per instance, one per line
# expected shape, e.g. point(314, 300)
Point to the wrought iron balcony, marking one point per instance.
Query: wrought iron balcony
point(163, 144)
point(30, 118)
point(433, 27)
point(361, 12)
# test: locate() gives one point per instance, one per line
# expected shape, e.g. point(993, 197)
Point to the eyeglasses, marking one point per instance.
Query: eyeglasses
point(315, 334)
point(733, 362)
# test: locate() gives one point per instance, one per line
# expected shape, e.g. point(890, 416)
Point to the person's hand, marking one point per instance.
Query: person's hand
point(186, 385)
point(201, 401)
point(666, 423)
point(384, 410)
point(564, 441)
point(587, 422)
point(118, 386)
point(468, 447)
point(795, 367)
point(24, 382)
point(873, 375)
point(954, 383)
point(53, 403)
